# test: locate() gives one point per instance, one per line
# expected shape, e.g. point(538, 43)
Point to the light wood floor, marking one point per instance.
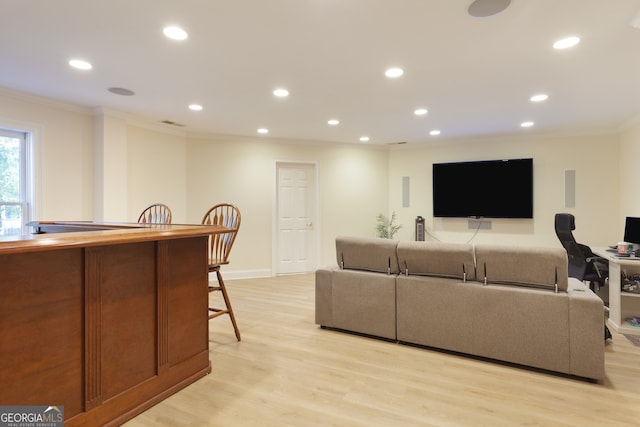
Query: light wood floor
point(289, 372)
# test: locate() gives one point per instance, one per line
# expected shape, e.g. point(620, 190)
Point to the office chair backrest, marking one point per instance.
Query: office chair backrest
point(564, 224)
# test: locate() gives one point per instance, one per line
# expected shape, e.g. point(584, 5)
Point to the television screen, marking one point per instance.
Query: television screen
point(483, 189)
point(632, 230)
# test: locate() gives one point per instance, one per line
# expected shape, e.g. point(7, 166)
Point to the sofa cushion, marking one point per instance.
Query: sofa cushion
point(522, 265)
point(367, 253)
point(454, 260)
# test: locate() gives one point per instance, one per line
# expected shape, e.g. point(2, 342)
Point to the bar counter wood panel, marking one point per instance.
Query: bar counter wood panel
point(41, 329)
point(104, 329)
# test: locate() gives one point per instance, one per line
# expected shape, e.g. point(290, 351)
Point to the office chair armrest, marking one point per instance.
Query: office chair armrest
point(594, 260)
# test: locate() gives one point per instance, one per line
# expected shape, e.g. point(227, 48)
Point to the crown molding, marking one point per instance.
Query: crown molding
point(42, 100)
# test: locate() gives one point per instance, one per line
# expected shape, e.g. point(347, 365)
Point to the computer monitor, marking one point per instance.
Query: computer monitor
point(632, 230)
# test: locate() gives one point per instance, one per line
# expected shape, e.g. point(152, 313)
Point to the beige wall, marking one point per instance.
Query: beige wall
point(628, 172)
point(63, 136)
point(355, 182)
point(156, 172)
point(592, 157)
point(110, 181)
point(352, 185)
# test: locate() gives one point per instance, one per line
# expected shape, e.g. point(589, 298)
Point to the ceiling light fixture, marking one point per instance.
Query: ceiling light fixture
point(434, 132)
point(195, 107)
point(80, 64)
point(539, 97)
point(364, 139)
point(263, 130)
point(566, 42)
point(121, 91)
point(485, 8)
point(526, 124)
point(394, 72)
point(175, 33)
point(420, 112)
point(333, 122)
point(172, 123)
point(281, 93)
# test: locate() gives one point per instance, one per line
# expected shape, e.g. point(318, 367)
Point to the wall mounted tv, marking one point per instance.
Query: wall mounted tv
point(483, 189)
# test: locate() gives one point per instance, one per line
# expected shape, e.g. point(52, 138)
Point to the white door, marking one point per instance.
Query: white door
point(296, 230)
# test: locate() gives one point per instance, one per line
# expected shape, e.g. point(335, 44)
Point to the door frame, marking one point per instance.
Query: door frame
point(274, 211)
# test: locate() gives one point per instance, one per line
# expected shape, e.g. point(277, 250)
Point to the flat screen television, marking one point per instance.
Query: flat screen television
point(483, 189)
point(632, 230)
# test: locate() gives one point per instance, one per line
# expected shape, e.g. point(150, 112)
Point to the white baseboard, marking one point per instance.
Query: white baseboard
point(241, 274)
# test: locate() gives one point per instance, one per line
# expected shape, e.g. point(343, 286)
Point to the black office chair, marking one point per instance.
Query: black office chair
point(584, 265)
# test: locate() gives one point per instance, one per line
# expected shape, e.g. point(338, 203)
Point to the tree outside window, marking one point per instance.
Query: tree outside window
point(13, 205)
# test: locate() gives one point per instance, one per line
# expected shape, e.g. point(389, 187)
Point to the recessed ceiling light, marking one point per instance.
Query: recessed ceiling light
point(434, 132)
point(281, 93)
point(263, 130)
point(539, 97)
point(195, 107)
point(394, 72)
point(364, 138)
point(334, 122)
point(635, 22)
point(80, 64)
point(420, 112)
point(175, 33)
point(526, 124)
point(566, 42)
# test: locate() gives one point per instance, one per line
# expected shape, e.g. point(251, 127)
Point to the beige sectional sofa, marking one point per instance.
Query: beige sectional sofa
point(509, 303)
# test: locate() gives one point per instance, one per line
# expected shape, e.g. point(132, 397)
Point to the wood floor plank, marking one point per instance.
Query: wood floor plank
point(287, 371)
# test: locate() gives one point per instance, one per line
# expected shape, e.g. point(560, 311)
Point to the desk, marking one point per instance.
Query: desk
point(622, 305)
point(106, 321)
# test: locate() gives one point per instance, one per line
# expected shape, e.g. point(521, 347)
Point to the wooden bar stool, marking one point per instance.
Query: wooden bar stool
point(220, 245)
point(157, 213)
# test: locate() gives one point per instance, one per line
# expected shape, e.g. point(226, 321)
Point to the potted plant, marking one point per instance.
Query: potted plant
point(386, 227)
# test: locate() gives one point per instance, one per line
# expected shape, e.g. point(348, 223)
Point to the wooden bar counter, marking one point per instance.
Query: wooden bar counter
point(103, 319)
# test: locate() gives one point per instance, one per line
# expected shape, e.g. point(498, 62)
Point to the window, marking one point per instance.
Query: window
point(15, 191)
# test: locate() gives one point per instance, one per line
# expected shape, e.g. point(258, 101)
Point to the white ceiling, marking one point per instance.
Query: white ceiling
point(474, 75)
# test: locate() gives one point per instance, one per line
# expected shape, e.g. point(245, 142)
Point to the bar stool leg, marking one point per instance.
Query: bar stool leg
point(229, 310)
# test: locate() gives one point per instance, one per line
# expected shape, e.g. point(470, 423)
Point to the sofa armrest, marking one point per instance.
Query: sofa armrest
point(586, 323)
point(324, 306)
